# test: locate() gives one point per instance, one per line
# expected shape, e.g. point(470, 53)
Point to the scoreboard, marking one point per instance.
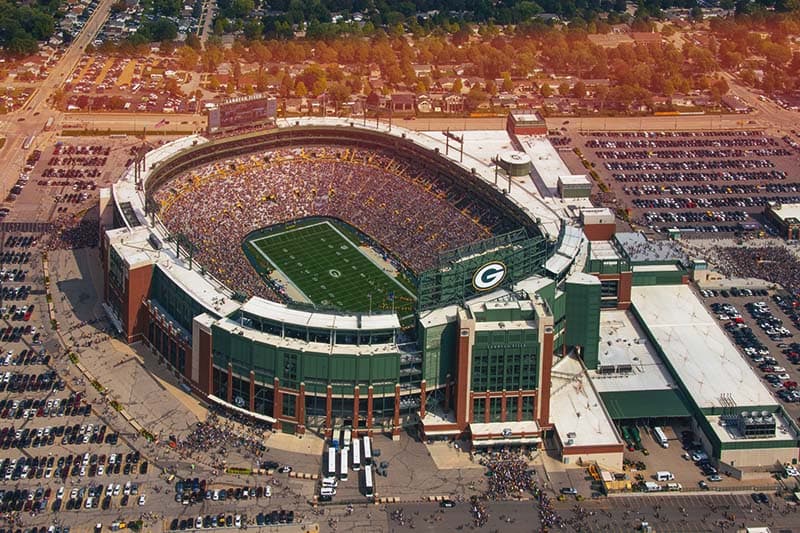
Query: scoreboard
point(242, 111)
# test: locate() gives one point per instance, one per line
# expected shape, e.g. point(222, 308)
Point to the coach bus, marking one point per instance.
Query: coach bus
point(367, 450)
point(343, 467)
point(331, 469)
point(660, 437)
point(356, 456)
point(369, 486)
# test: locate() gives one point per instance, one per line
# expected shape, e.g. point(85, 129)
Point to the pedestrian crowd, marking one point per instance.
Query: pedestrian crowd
point(216, 438)
point(72, 233)
point(403, 205)
point(508, 475)
point(775, 264)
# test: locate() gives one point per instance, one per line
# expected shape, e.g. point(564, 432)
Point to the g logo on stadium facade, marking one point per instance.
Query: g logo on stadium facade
point(489, 276)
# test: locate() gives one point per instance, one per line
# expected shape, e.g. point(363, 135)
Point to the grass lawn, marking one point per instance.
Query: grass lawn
point(327, 266)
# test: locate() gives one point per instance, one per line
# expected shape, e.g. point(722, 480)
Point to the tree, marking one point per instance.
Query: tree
point(579, 89)
point(458, 86)
point(563, 88)
point(193, 41)
point(546, 91)
point(475, 97)
point(188, 58)
point(508, 85)
point(300, 89)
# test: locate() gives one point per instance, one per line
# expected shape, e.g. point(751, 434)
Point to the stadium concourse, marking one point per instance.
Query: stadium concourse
point(509, 260)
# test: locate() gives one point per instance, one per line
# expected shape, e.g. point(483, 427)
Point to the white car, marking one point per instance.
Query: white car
point(784, 376)
point(127, 490)
point(101, 470)
point(60, 493)
point(267, 491)
point(142, 500)
point(116, 490)
point(237, 522)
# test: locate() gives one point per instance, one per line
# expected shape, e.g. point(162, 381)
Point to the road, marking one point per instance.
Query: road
point(31, 119)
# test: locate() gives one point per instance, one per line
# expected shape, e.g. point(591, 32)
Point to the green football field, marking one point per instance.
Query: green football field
point(328, 268)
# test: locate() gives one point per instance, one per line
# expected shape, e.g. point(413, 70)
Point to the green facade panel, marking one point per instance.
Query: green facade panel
point(583, 320)
point(559, 307)
point(315, 369)
point(438, 352)
point(505, 360)
point(669, 277)
point(628, 405)
point(175, 300)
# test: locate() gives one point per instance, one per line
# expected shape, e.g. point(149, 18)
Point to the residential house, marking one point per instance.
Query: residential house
point(402, 103)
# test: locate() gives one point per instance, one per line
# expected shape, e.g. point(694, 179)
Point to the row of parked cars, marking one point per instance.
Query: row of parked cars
point(776, 375)
point(194, 491)
point(26, 357)
point(94, 496)
point(734, 291)
point(769, 323)
point(21, 241)
point(21, 382)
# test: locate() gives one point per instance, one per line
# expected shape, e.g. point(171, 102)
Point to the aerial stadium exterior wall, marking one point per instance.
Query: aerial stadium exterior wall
point(296, 384)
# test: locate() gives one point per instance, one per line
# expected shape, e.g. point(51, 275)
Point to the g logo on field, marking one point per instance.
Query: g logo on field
point(489, 276)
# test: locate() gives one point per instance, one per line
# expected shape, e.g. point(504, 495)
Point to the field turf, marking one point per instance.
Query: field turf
point(328, 268)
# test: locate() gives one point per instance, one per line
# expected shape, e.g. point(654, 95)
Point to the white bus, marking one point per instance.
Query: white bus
point(369, 486)
point(356, 455)
point(367, 450)
point(347, 438)
point(331, 468)
point(660, 437)
point(343, 468)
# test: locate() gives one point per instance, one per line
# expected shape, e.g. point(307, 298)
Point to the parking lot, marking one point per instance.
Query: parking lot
point(766, 337)
point(706, 182)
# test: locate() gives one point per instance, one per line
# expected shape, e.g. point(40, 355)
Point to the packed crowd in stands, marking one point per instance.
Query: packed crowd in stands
point(772, 263)
point(399, 204)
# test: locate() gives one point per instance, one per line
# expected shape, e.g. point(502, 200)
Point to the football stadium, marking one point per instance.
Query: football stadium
point(325, 274)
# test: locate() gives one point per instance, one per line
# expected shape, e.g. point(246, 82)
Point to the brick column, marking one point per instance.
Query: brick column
point(543, 396)
point(519, 406)
point(355, 410)
point(328, 410)
point(369, 411)
point(187, 359)
point(471, 408)
point(229, 395)
point(300, 410)
point(252, 391)
point(396, 418)
point(487, 402)
point(503, 407)
point(422, 400)
point(277, 405)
